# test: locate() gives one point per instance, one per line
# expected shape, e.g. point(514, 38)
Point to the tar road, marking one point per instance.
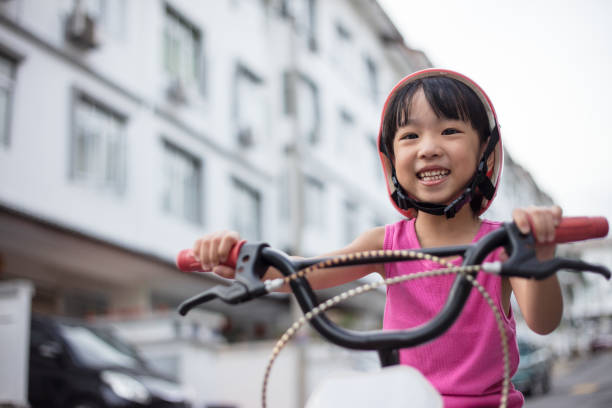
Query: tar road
point(583, 383)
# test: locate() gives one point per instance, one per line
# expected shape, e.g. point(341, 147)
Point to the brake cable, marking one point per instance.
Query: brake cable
point(341, 260)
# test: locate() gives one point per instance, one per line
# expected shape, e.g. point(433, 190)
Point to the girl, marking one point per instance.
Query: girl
point(440, 149)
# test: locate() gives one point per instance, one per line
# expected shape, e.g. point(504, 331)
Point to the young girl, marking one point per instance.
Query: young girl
point(440, 149)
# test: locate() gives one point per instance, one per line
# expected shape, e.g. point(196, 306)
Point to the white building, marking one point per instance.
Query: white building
point(131, 128)
point(128, 129)
point(517, 189)
point(592, 295)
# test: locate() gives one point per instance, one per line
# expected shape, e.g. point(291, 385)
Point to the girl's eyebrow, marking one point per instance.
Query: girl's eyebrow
point(452, 119)
point(415, 122)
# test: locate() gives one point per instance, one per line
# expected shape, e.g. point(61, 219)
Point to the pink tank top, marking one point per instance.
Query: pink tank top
point(465, 364)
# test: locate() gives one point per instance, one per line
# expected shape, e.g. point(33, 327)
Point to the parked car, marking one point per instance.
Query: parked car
point(601, 342)
point(534, 370)
point(73, 365)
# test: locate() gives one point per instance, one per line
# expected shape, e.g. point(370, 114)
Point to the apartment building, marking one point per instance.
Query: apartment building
point(131, 128)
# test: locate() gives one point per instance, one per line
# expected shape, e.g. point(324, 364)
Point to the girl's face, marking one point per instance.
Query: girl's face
point(434, 157)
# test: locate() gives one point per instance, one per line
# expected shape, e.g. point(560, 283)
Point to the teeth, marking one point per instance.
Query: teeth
point(431, 175)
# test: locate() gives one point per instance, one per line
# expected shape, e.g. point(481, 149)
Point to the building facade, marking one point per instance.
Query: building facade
point(128, 129)
point(132, 128)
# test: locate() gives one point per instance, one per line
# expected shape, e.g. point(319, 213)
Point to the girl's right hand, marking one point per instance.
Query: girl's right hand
point(213, 249)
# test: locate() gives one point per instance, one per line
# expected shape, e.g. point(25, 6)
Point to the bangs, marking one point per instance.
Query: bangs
point(452, 99)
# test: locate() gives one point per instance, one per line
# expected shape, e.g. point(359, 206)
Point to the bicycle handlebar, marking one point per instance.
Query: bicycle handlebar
point(187, 262)
point(252, 260)
point(571, 229)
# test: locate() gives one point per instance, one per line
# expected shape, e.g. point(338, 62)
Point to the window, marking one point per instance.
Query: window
point(343, 48)
point(246, 211)
point(289, 98)
point(7, 81)
point(97, 348)
point(350, 221)
point(307, 100)
point(7, 78)
point(303, 14)
point(98, 145)
point(249, 107)
point(285, 195)
point(182, 175)
point(343, 33)
point(182, 52)
point(372, 79)
point(345, 141)
point(314, 195)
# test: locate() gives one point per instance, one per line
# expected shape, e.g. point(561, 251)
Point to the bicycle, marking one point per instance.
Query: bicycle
point(251, 260)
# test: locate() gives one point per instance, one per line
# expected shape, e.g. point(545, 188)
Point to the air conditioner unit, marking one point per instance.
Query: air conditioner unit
point(177, 92)
point(81, 29)
point(245, 137)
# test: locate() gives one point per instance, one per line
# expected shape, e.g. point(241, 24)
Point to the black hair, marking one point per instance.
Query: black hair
point(449, 98)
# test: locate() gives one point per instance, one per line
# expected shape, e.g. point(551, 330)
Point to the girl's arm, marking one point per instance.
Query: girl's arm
point(213, 249)
point(540, 302)
point(326, 278)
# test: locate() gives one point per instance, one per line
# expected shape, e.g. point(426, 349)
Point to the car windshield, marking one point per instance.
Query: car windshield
point(96, 349)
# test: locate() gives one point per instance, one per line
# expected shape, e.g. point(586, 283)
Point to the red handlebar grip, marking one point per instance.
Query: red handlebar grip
point(187, 262)
point(580, 228)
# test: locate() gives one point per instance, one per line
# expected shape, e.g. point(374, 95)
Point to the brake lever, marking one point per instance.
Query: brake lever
point(522, 261)
point(247, 284)
point(233, 294)
point(534, 269)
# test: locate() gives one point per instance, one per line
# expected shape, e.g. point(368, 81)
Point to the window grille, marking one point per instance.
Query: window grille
point(246, 210)
point(7, 78)
point(182, 52)
point(98, 145)
point(182, 175)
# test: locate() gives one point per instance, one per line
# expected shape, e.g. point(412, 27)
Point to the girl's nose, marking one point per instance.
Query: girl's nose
point(428, 147)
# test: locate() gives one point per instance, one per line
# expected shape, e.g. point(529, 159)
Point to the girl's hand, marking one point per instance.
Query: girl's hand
point(541, 221)
point(213, 249)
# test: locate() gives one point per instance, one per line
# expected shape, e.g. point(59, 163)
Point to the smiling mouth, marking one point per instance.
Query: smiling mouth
point(433, 175)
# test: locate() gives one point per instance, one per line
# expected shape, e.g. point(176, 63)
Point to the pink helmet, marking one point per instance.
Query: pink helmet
point(483, 185)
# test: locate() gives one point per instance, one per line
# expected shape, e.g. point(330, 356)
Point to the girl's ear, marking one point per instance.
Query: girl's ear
point(491, 160)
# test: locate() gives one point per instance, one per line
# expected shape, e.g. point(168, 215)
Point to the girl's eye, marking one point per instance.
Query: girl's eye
point(409, 136)
point(450, 131)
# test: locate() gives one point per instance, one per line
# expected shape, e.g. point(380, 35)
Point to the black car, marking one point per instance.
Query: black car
point(534, 370)
point(73, 365)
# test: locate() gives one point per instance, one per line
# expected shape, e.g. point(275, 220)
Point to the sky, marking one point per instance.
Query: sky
point(547, 67)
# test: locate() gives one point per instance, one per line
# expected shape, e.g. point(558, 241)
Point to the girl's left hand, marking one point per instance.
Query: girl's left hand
point(541, 221)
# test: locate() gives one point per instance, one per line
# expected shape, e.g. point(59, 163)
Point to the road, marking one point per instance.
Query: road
point(584, 383)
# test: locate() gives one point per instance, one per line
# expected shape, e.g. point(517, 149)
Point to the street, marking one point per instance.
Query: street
point(585, 382)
